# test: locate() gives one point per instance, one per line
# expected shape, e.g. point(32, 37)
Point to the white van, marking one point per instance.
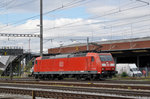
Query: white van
point(130, 69)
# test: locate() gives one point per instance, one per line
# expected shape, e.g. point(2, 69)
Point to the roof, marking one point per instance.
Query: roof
point(109, 42)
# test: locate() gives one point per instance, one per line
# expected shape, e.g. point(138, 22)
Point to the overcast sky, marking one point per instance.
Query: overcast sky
point(65, 20)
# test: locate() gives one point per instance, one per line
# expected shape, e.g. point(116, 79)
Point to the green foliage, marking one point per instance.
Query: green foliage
point(115, 75)
point(28, 66)
point(1, 71)
point(124, 74)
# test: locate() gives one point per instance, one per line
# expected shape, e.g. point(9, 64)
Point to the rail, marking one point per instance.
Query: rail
point(58, 95)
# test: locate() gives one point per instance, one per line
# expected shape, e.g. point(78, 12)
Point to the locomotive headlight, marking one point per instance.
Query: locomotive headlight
point(112, 68)
point(103, 64)
point(112, 64)
point(103, 68)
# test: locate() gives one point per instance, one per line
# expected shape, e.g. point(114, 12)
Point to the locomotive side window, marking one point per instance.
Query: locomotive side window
point(105, 58)
point(92, 59)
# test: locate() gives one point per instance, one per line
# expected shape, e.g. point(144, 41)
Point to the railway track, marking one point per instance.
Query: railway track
point(128, 92)
point(72, 89)
point(76, 91)
point(58, 95)
point(84, 84)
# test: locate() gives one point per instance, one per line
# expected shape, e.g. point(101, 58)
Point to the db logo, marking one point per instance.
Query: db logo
point(61, 64)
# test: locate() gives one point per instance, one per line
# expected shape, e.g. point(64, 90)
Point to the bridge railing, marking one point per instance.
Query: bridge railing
point(11, 50)
point(11, 47)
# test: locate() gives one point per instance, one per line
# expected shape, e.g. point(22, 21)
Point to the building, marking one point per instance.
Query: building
point(136, 50)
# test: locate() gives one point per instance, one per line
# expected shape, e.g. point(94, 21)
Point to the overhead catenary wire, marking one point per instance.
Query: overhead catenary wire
point(56, 9)
point(18, 5)
point(141, 31)
point(44, 13)
point(90, 18)
point(62, 8)
point(109, 21)
point(22, 4)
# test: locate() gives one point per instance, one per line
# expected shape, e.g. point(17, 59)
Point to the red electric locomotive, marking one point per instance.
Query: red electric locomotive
point(81, 66)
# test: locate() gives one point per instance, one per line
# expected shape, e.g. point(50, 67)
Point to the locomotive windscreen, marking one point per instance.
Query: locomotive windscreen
point(106, 58)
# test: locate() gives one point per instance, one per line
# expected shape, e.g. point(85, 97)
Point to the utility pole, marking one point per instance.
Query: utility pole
point(41, 27)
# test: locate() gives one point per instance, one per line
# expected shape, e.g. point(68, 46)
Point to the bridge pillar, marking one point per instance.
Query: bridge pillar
point(11, 71)
point(19, 67)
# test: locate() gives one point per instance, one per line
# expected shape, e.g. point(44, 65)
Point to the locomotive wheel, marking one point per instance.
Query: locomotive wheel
point(60, 77)
point(49, 78)
point(83, 77)
point(92, 78)
point(36, 77)
point(78, 77)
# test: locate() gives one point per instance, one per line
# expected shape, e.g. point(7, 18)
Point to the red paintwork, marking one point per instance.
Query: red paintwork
point(73, 64)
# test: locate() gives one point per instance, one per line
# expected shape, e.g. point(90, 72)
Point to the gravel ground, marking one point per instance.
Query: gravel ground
point(13, 96)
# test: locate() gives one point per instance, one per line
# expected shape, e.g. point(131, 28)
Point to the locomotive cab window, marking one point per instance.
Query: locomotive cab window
point(92, 59)
point(106, 58)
